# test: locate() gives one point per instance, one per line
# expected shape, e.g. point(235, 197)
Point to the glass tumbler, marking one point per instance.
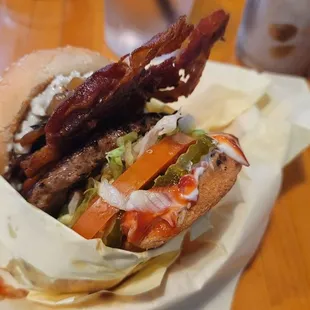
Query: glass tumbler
point(130, 23)
point(274, 35)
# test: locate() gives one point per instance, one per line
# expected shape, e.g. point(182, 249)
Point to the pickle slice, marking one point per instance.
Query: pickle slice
point(203, 146)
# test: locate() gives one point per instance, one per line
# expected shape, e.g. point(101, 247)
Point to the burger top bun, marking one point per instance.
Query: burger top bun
point(27, 77)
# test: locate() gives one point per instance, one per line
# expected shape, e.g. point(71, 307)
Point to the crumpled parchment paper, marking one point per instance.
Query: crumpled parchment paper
point(271, 116)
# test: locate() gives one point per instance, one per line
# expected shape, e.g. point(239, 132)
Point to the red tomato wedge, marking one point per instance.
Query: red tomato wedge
point(146, 168)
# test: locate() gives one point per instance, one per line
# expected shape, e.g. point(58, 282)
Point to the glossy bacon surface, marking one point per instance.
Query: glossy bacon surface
point(124, 87)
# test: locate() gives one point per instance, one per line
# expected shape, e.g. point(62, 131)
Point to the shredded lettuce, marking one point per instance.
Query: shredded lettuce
point(111, 194)
point(89, 194)
point(111, 171)
point(186, 124)
point(115, 162)
point(167, 125)
point(130, 137)
point(91, 191)
point(129, 154)
point(124, 152)
point(125, 155)
point(116, 154)
point(106, 174)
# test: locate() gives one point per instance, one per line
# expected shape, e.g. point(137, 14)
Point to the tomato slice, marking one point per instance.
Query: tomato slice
point(146, 168)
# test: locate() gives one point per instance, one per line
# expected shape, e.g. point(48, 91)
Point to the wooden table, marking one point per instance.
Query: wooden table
point(279, 276)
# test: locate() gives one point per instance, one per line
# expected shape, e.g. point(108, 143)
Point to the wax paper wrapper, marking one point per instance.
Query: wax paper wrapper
point(271, 116)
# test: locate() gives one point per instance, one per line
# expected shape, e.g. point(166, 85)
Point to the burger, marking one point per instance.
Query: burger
point(103, 152)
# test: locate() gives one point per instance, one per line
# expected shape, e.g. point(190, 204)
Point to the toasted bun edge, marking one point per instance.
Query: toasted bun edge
point(214, 184)
point(28, 76)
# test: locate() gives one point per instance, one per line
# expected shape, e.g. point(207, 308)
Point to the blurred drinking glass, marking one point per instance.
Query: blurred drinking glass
point(274, 35)
point(130, 23)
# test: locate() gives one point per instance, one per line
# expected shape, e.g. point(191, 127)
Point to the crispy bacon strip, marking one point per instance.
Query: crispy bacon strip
point(38, 160)
point(125, 86)
point(191, 59)
point(163, 43)
point(111, 81)
point(32, 136)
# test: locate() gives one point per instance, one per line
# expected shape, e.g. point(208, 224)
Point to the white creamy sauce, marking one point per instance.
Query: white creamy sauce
point(39, 105)
point(197, 172)
point(193, 196)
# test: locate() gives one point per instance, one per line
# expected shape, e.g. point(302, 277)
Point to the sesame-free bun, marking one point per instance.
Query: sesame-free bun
point(29, 76)
point(214, 184)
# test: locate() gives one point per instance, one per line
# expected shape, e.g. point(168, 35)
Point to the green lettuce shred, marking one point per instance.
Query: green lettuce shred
point(91, 191)
point(128, 154)
point(115, 161)
point(106, 174)
point(130, 137)
point(111, 171)
point(124, 151)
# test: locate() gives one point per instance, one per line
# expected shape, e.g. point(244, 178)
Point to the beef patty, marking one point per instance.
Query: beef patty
point(51, 191)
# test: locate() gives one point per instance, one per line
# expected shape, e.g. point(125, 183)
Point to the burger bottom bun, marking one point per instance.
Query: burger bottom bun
point(214, 184)
point(29, 76)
